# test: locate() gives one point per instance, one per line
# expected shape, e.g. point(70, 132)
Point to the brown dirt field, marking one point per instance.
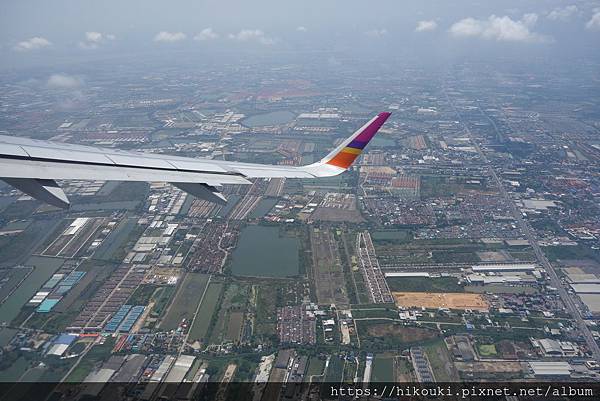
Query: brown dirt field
point(441, 300)
point(406, 334)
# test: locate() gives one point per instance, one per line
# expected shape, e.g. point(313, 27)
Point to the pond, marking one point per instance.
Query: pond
point(267, 119)
point(262, 252)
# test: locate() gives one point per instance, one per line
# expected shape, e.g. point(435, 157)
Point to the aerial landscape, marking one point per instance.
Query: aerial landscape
point(463, 245)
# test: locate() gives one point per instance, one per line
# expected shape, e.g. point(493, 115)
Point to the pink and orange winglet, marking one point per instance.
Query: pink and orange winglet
point(347, 155)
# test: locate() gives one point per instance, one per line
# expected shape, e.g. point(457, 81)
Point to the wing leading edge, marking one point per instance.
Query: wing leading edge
point(32, 166)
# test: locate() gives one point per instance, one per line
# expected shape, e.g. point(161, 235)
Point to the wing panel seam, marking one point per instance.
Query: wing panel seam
point(43, 159)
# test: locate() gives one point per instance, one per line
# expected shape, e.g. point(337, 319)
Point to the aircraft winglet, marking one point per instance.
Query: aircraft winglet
point(342, 157)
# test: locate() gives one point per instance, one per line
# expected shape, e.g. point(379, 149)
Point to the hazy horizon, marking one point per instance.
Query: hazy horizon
point(49, 34)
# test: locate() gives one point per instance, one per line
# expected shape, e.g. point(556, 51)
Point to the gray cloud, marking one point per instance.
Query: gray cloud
point(376, 33)
point(426, 25)
point(252, 35)
point(37, 42)
point(164, 36)
point(562, 13)
point(64, 81)
point(499, 28)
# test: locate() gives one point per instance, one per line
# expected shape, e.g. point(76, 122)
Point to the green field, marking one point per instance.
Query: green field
point(442, 186)
point(234, 327)
point(116, 238)
point(424, 284)
point(334, 370)
point(487, 349)
point(395, 236)
point(97, 354)
point(230, 316)
point(186, 300)
point(266, 309)
point(375, 312)
point(500, 289)
point(161, 297)
point(199, 330)
point(438, 356)
point(10, 279)
point(383, 369)
point(15, 249)
point(6, 334)
point(142, 294)
point(571, 252)
point(315, 366)
point(13, 372)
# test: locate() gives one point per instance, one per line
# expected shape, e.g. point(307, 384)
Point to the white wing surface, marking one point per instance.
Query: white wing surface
point(33, 166)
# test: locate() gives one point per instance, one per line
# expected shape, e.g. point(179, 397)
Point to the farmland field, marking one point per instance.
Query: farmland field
point(186, 300)
point(383, 369)
point(199, 330)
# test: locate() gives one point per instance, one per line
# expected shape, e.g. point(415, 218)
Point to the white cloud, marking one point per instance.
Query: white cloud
point(34, 43)
point(499, 29)
point(594, 23)
point(426, 25)
point(376, 33)
point(164, 36)
point(206, 34)
point(94, 39)
point(301, 29)
point(249, 35)
point(562, 13)
point(63, 81)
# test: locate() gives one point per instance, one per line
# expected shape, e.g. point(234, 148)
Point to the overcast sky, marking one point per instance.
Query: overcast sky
point(40, 31)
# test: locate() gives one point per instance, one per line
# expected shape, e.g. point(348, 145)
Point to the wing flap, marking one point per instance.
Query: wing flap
point(140, 161)
point(196, 165)
point(10, 149)
point(45, 190)
point(12, 168)
point(38, 152)
point(202, 191)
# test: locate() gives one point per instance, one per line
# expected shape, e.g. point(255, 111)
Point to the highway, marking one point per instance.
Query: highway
point(532, 238)
point(544, 262)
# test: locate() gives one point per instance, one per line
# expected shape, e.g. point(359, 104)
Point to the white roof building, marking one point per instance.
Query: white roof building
point(546, 369)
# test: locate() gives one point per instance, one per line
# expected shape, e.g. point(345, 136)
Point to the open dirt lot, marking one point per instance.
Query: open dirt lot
point(448, 300)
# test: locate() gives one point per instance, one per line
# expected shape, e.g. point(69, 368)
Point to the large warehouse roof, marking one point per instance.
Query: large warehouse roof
point(503, 267)
point(550, 368)
point(586, 288)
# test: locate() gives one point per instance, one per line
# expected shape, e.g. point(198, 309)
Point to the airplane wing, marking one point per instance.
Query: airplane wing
point(32, 166)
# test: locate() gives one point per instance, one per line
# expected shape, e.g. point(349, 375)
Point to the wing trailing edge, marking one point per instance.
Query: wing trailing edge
point(32, 166)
